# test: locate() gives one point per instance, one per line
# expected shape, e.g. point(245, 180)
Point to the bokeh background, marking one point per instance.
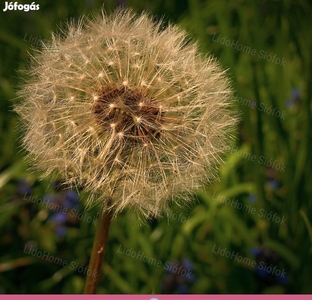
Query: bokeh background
point(248, 232)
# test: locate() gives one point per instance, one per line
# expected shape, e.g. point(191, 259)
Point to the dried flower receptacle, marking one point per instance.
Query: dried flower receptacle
point(129, 113)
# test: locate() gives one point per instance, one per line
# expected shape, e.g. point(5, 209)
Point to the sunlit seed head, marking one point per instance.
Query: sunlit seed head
point(132, 113)
point(120, 134)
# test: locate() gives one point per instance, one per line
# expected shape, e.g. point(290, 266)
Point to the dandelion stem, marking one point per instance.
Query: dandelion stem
point(98, 250)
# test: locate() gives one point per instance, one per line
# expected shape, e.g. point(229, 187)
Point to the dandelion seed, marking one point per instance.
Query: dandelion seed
point(150, 115)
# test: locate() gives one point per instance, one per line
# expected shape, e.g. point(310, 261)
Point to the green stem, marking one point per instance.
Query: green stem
point(98, 250)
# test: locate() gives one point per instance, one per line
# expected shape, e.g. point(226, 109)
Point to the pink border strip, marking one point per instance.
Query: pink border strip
point(156, 297)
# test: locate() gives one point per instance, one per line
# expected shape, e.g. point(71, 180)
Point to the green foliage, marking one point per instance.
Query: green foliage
point(234, 214)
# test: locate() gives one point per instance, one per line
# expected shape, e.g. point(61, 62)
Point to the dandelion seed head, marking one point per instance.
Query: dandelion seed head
point(128, 110)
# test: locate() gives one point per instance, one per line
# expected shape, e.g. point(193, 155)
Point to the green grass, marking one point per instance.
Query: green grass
point(222, 216)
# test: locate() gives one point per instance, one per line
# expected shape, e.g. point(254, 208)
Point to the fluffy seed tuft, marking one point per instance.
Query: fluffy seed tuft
point(130, 111)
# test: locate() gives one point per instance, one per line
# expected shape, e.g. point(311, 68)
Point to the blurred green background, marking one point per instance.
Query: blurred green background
point(249, 232)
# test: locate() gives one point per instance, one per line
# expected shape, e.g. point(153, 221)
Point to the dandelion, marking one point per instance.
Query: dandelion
point(132, 113)
point(127, 109)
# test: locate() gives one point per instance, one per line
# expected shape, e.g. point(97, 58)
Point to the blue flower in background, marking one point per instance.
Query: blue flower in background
point(283, 280)
point(272, 179)
point(252, 198)
point(273, 184)
point(179, 277)
point(187, 264)
point(295, 94)
point(183, 289)
point(294, 99)
point(262, 273)
point(255, 251)
point(23, 188)
point(59, 218)
point(267, 270)
point(61, 205)
point(64, 201)
point(24, 191)
point(71, 199)
point(60, 231)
